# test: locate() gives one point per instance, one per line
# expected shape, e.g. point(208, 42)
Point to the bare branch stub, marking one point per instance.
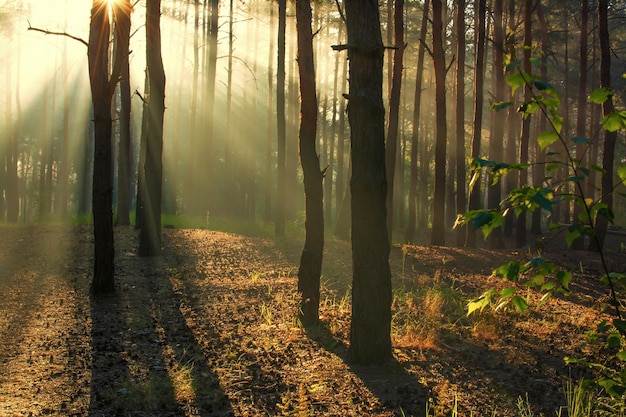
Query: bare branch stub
point(48, 32)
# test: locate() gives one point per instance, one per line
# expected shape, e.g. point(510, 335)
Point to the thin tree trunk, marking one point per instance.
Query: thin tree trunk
point(479, 67)
point(581, 120)
point(409, 235)
point(311, 260)
point(281, 123)
point(538, 169)
point(102, 88)
point(610, 138)
point(510, 153)
point(461, 196)
point(497, 133)
point(341, 140)
point(439, 194)
point(122, 10)
point(150, 234)
point(270, 126)
point(520, 237)
point(391, 149)
point(62, 193)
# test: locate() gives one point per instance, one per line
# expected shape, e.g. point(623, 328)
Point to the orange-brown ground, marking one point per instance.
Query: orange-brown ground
point(209, 329)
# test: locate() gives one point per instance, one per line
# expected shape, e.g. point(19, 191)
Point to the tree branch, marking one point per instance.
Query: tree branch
point(48, 32)
point(343, 17)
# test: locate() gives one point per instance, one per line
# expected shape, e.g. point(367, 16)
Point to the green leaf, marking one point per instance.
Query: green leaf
point(542, 202)
point(614, 121)
point(507, 292)
point(544, 86)
point(577, 139)
point(614, 340)
point(510, 271)
point(600, 95)
point(520, 303)
point(501, 105)
point(574, 231)
point(547, 138)
point(557, 122)
point(512, 65)
point(598, 168)
point(621, 173)
point(480, 304)
point(518, 79)
point(607, 213)
point(564, 278)
point(620, 325)
point(576, 178)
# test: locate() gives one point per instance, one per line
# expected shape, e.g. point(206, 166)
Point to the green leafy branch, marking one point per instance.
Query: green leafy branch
point(537, 273)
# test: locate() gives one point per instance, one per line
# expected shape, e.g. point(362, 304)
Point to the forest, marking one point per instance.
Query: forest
point(313, 207)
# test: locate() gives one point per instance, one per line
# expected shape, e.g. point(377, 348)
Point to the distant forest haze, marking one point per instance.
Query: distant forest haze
point(222, 153)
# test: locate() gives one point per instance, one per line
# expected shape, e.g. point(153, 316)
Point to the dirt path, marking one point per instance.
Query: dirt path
point(210, 329)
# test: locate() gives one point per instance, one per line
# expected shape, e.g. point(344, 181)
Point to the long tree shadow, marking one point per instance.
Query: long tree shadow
point(145, 357)
point(218, 279)
point(397, 390)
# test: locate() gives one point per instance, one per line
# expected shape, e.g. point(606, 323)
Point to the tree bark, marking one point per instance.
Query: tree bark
point(479, 79)
point(510, 153)
point(121, 11)
point(102, 89)
point(311, 260)
point(581, 119)
point(538, 169)
point(494, 194)
point(370, 330)
point(461, 195)
point(391, 150)
point(610, 138)
point(520, 233)
point(150, 234)
point(279, 225)
point(409, 234)
point(439, 194)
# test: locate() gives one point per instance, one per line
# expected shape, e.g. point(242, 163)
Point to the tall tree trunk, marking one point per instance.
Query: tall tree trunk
point(141, 165)
point(311, 260)
point(479, 79)
point(581, 119)
point(102, 88)
point(520, 237)
point(439, 194)
point(608, 153)
point(121, 11)
point(497, 133)
point(190, 183)
point(150, 234)
point(461, 196)
point(279, 224)
point(229, 183)
point(43, 206)
point(370, 329)
point(62, 192)
point(341, 139)
point(267, 192)
point(391, 150)
point(12, 152)
point(409, 234)
point(510, 153)
point(538, 169)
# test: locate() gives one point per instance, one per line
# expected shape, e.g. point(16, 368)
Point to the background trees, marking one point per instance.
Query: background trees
point(196, 139)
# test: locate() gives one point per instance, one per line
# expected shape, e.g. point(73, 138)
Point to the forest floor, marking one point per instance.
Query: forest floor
point(210, 329)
